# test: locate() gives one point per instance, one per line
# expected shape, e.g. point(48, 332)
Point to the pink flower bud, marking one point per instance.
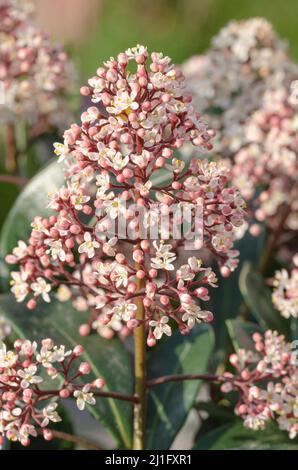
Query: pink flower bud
point(47, 434)
point(84, 368)
point(84, 330)
point(31, 304)
point(78, 350)
point(64, 393)
point(99, 383)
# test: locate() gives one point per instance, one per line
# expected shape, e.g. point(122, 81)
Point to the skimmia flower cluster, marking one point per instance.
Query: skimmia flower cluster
point(35, 74)
point(27, 407)
point(228, 82)
point(268, 163)
point(267, 383)
point(285, 292)
point(121, 170)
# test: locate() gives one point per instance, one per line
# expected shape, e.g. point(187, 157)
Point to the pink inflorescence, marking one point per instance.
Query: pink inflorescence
point(27, 407)
point(285, 292)
point(228, 82)
point(267, 166)
point(35, 74)
point(120, 163)
point(267, 383)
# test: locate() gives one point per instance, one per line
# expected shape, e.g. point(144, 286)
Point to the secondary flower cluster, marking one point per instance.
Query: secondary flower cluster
point(285, 293)
point(35, 74)
point(120, 168)
point(268, 164)
point(27, 407)
point(228, 82)
point(267, 383)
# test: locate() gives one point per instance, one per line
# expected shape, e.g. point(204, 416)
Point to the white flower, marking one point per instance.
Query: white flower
point(61, 151)
point(194, 263)
point(89, 245)
point(50, 414)
point(109, 247)
point(141, 160)
point(45, 357)
point(84, 397)
point(59, 354)
point(119, 275)
point(164, 257)
point(133, 52)
point(28, 376)
point(143, 188)
point(123, 102)
point(78, 200)
point(7, 358)
point(20, 288)
point(103, 183)
point(193, 314)
point(56, 249)
point(116, 160)
point(161, 327)
point(26, 431)
point(63, 293)
point(37, 224)
point(124, 311)
point(21, 250)
point(113, 207)
point(103, 270)
point(40, 287)
point(177, 165)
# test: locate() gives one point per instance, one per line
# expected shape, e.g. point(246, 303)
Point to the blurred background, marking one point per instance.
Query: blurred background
point(94, 30)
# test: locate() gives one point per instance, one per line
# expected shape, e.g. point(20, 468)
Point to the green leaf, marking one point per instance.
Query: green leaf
point(8, 194)
point(236, 436)
point(170, 403)
point(108, 358)
point(227, 299)
point(241, 333)
point(31, 202)
point(259, 300)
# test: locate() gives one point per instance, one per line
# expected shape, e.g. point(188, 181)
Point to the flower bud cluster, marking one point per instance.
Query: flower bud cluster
point(119, 164)
point(27, 406)
point(35, 74)
point(267, 383)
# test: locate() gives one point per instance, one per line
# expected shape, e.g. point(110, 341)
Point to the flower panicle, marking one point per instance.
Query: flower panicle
point(266, 380)
point(27, 408)
point(120, 167)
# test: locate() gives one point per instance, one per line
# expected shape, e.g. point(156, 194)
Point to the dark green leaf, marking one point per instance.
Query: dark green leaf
point(31, 202)
point(241, 333)
point(169, 404)
point(226, 300)
point(108, 358)
point(236, 436)
point(259, 300)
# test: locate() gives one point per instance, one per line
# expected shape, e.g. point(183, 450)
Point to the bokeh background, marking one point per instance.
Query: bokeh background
point(96, 29)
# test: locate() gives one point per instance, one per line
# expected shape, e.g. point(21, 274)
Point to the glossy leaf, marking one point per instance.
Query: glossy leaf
point(236, 436)
point(227, 299)
point(169, 404)
point(258, 298)
point(241, 333)
point(108, 358)
point(31, 202)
